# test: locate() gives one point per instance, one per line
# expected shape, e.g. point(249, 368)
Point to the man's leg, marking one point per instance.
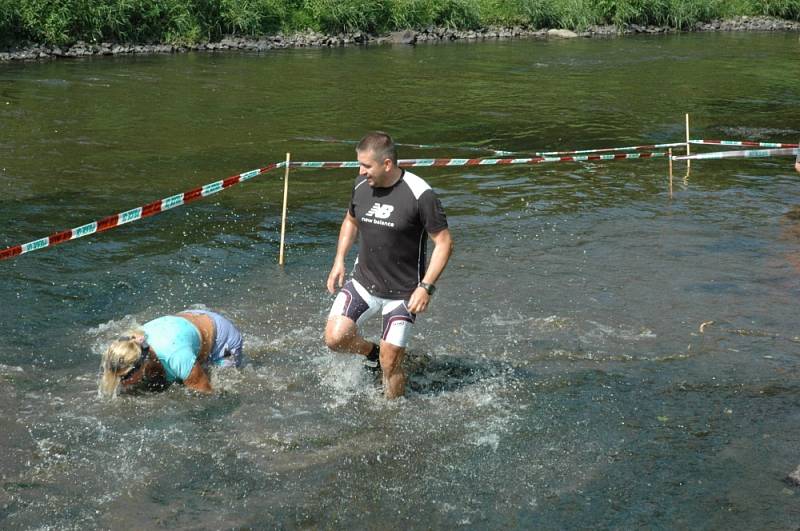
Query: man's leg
point(397, 324)
point(341, 335)
point(394, 379)
point(350, 307)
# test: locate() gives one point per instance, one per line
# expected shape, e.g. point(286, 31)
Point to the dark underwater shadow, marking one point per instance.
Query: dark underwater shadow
point(147, 385)
point(429, 375)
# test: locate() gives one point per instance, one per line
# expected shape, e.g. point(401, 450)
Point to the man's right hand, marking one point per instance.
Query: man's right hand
point(336, 278)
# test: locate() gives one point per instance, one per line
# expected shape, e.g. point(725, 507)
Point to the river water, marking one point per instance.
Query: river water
point(561, 379)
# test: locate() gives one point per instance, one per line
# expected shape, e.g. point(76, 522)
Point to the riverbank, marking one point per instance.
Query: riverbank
point(314, 39)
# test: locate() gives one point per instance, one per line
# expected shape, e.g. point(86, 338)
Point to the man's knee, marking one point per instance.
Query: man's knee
point(338, 335)
point(333, 341)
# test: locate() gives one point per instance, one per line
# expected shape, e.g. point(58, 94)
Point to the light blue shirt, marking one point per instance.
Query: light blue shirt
point(176, 343)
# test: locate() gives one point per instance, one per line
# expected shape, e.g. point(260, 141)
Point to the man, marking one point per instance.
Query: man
point(391, 212)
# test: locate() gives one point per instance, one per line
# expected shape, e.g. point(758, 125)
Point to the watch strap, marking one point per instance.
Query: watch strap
point(430, 288)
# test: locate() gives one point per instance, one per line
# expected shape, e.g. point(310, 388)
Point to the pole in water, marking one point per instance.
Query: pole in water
point(688, 150)
point(283, 215)
point(670, 172)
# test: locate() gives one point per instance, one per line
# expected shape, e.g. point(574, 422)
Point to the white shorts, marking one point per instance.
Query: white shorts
point(358, 304)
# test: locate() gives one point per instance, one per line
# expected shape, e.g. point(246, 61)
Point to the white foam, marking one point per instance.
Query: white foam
point(601, 332)
point(104, 333)
point(542, 324)
point(345, 376)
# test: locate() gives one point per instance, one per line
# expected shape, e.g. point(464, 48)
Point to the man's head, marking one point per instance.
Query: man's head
point(377, 158)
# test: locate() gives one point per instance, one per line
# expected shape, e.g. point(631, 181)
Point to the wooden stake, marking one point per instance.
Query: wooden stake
point(688, 149)
point(285, 198)
point(670, 173)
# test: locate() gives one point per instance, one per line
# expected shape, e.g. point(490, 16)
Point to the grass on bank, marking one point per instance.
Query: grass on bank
point(63, 22)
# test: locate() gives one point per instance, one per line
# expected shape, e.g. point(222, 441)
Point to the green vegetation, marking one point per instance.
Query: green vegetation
point(63, 22)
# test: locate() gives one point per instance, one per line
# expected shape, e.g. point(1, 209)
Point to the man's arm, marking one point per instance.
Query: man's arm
point(442, 251)
point(347, 236)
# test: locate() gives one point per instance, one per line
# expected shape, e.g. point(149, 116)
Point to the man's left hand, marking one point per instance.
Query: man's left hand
point(419, 300)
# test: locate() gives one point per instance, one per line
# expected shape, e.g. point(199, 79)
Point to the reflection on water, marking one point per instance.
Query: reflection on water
point(562, 378)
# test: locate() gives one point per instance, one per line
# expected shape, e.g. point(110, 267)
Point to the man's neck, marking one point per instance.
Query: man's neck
point(394, 176)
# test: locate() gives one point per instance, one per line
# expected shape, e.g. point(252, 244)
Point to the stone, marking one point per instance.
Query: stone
point(794, 477)
point(561, 33)
point(403, 37)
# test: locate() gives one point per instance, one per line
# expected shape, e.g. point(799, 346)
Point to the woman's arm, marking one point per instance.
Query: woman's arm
point(198, 379)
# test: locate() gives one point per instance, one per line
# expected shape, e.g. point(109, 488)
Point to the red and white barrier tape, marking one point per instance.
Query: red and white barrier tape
point(745, 154)
point(134, 214)
point(742, 143)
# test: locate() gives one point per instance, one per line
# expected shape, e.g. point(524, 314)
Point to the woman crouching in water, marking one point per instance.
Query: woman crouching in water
point(174, 348)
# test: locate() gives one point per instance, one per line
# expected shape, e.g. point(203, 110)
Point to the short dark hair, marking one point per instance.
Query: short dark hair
point(381, 144)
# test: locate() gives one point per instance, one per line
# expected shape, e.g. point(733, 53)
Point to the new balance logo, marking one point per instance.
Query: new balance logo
point(380, 211)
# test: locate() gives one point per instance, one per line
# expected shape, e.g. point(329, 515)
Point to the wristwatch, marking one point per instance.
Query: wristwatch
point(430, 288)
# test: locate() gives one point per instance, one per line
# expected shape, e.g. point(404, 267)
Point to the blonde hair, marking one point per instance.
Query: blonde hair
point(119, 357)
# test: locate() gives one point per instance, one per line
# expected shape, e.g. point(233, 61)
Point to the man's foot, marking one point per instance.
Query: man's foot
point(373, 361)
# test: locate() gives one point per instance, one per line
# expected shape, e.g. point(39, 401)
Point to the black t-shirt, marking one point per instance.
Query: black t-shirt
point(393, 224)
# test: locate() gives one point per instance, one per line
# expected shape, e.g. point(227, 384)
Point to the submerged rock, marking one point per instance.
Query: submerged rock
point(794, 477)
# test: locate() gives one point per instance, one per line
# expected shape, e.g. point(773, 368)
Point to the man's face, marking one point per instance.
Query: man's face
point(376, 171)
